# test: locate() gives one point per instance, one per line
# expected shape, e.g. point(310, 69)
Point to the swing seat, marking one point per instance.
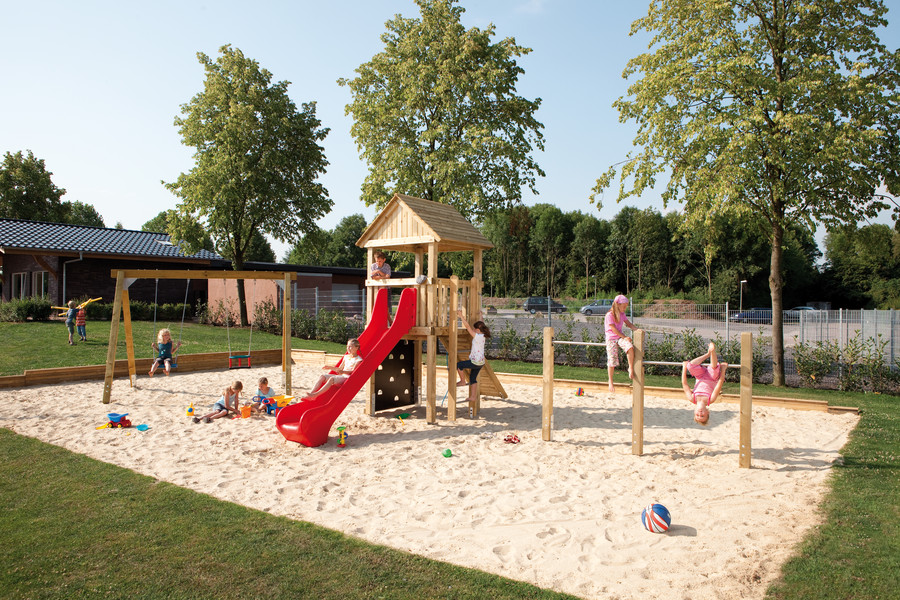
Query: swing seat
point(239, 359)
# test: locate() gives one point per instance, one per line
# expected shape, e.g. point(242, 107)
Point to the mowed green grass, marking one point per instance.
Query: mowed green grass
point(73, 527)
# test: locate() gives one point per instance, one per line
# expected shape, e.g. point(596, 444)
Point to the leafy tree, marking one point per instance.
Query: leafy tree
point(259, 249)
point(27, 191)
point(312, 248)
point(858, 259)
point(342, 246)
point(436, 114)
point(191, 233)
point(79, 213)
point(781, 112)
point(589, 239)
point(257, 160)
point(157, 224)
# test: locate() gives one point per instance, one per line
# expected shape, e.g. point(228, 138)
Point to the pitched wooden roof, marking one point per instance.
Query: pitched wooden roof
point(407, 224)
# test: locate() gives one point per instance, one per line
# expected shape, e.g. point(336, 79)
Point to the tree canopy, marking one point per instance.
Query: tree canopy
point(27, 190)
point(257, 160)
point(777, 111)
point(436, 114)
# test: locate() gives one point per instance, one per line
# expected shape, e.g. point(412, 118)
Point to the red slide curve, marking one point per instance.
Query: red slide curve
point(309, 421)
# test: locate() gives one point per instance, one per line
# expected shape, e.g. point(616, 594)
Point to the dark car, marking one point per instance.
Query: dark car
point(539, 304)
point(597, 307)
point(754, 315)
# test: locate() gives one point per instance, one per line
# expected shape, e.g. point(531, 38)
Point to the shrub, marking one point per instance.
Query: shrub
point(303, 324)
point(512, 346)
point(26, 309)
point(267, 317)
point(332, 326)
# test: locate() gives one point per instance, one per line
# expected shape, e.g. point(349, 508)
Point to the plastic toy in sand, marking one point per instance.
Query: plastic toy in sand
point(190, 410)
point(511, 438)
point(342, 437)
point(579, 391)
point(116, 420)
point(447, 453)
point(403, 416)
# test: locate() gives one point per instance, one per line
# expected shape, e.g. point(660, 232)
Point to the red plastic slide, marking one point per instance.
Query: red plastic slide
point(309, 421)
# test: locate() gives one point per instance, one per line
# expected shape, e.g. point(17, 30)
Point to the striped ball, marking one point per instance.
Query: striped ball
point(579, 391)
point(656, 518)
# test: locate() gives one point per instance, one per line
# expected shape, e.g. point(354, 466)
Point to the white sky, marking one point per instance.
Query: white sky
point(93, 87)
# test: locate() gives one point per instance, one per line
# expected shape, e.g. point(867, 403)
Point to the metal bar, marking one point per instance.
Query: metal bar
point(579, 343)
point(678, 364)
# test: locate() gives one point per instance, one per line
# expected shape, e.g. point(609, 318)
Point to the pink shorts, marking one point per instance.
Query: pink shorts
point(612, 353)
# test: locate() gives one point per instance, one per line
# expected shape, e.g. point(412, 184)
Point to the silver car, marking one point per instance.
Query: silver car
point(597, 307)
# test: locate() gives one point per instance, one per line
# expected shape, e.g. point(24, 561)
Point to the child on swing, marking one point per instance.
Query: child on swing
point(709, 383)
point(163, 348)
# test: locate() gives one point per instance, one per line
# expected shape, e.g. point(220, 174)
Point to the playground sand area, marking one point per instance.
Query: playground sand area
point(563, 515)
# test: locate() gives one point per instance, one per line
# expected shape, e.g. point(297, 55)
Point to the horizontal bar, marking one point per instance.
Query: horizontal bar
point(580, 343)
point(201, 274)
point(668, 363)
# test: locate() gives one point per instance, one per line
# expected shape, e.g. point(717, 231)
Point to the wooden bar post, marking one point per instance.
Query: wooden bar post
point(431, 317)
point(129, 340)
point(286, 361)
point(452, 347)
point(547, 406)
point(637, 395)
point(746, 398)
point(113, 338)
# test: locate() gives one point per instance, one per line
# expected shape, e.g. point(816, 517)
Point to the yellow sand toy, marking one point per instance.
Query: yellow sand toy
point(276, 403)
point(80, 306)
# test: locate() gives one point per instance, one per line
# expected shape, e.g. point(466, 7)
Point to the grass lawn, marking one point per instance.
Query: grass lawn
point(75, 527)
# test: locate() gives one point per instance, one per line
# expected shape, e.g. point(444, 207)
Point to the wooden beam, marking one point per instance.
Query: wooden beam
point(113, 338)
point(431, 354)
point(453, 344)
point(746, 399)
point(201, 274)
point(637, 395)
point(129, 340)
point(286, 362)
point(46, 266)
point(547, 382)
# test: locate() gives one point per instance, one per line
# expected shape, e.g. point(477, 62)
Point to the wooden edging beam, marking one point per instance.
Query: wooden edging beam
point(201, 274)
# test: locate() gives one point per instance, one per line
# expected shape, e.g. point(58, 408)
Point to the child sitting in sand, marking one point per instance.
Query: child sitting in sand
point(709, 382)
point(263, 392)
point(348, 363)
point(164, 350)
point(229, 402)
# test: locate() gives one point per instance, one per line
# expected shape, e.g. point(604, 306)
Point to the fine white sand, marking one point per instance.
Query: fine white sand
point(563, 514)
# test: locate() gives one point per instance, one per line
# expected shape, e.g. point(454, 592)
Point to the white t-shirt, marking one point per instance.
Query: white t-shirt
point(476, 355)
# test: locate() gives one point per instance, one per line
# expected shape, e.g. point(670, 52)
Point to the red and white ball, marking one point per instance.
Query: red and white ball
point(656, 518)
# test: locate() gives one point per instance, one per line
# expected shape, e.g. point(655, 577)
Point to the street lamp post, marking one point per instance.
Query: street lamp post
point(741, 308)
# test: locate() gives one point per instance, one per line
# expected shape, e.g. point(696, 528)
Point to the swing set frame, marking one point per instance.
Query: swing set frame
point(122, 307)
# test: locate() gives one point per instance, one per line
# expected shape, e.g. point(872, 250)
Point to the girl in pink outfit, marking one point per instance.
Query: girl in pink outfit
point(709, 382)
point(615, 339)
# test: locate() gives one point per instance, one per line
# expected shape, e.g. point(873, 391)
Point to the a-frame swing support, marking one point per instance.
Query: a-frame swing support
point(121, 307)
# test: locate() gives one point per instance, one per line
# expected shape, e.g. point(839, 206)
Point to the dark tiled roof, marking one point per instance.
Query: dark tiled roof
point(59, 237)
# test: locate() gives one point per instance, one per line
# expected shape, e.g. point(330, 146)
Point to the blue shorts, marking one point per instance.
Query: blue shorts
point(220, 406)
point(468, 364)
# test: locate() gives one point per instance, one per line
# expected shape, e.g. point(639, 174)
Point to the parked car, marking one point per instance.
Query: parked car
point(757, 315)
point(808, 313)
point(539, 304)
point(597, 307)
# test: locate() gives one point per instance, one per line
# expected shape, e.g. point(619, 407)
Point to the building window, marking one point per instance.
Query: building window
point(41, 284)
point(18, 285)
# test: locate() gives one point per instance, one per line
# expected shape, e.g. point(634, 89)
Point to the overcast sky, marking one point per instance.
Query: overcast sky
point(93, 87)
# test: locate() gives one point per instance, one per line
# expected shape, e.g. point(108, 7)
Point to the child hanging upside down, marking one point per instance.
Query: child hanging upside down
point(709, 382)
point(348, 363)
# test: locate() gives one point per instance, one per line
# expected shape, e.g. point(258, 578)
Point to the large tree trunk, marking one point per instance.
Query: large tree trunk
point(238, 264)
point(775, 287)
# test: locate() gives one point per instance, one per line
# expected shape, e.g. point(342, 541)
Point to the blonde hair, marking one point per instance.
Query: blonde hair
point(236, 385)
point(353, 342)
point(263, 381)
point(71, 304)
point(162, 332)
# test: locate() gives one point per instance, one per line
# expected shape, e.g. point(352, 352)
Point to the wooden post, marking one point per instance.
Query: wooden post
point(746, 397)
point(431, 317)
point(637, 395)
point(475, 311)
point(547, 407)
point(286, 362)
point(129, 340)
point(371, 292)
point(113, 338)
point(452, 347)
point(420, 322)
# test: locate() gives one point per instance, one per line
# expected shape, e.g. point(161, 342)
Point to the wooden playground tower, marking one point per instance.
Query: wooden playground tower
point(425, 228)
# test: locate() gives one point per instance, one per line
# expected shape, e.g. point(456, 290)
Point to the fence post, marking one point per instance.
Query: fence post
point(316, 300)
point(547, 406)
point(727, 323)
